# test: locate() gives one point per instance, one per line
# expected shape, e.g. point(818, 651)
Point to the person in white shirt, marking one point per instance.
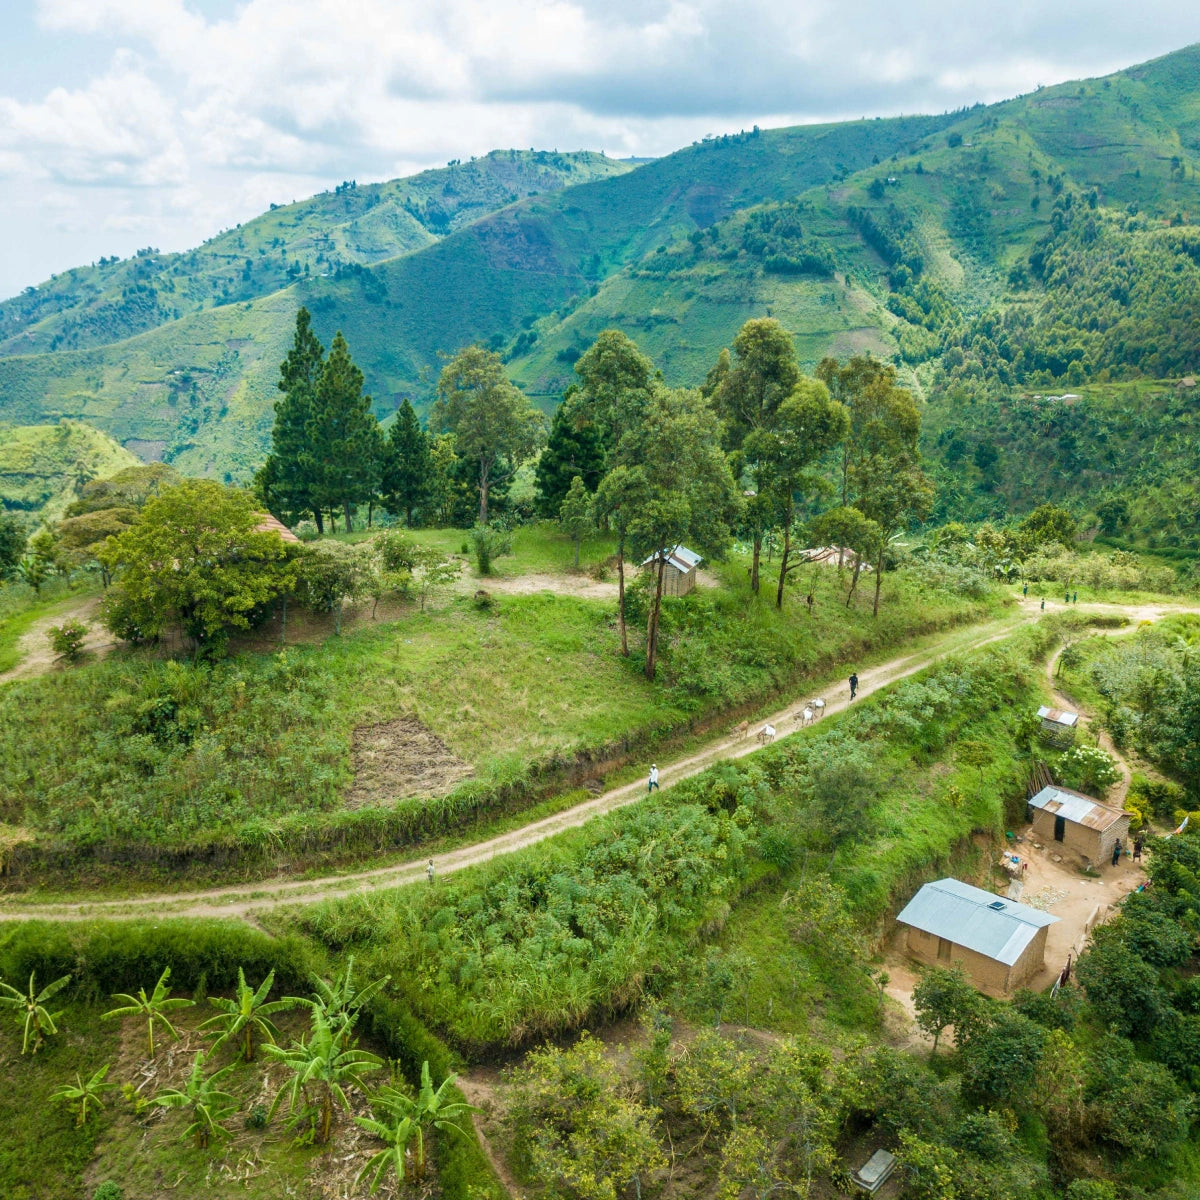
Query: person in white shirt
point(653, 779)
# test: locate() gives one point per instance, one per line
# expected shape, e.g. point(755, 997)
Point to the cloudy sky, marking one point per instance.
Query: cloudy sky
point(126, 123)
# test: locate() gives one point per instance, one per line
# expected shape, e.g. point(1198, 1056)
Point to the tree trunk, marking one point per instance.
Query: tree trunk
point(754, 565)
point(370, 511)
point(854, 581)
point(337, 621)
point(878, 578)
point(621, 596)
point(320, 522)
point(249, 1046)
point(484, 482)
point(652, 628)
point(283, 620)
point(333, 520)
point(346, 510)
point(783, 560)
point(577, 554)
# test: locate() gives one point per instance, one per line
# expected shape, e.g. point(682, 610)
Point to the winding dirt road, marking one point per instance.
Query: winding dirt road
point(244, 900)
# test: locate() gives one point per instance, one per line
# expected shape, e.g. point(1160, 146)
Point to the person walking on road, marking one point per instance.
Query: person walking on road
point(1043, 605)
point(1024, 589)
point(653, 782)
point(1138, 843)
point(429, 871)
point(853, 684)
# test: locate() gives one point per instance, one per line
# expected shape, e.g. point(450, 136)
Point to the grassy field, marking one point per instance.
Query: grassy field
point(514, 689)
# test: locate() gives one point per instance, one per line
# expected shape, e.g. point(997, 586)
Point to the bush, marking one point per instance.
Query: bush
point(257, 1117)
point(108, 1190)
point(66, 640)
point(1088, 769)
point(489, 542)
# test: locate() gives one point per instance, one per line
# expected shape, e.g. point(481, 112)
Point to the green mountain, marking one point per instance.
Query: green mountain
point(42, 467)
point(349, 226)
point(1038, 242)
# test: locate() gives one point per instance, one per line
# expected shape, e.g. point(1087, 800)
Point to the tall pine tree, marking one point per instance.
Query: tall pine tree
point(344, 436)
point(407, 466)
point(287, 481)
point(572, 449)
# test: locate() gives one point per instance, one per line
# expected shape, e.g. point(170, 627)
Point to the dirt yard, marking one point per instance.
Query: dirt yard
point(401, 758)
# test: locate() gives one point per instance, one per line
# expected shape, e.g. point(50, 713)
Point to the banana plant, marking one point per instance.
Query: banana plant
point(208, 1105)
point(84, 1095)
point(430, 1110)
point(325, 1063)
point(397, 1132)
point(153, 1008)
point(247, 1014)
point(339, 1002)
point(31, 1012)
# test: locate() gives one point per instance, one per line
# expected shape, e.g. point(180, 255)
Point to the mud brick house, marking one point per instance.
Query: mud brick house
point(999, 943)
point(1080, 825)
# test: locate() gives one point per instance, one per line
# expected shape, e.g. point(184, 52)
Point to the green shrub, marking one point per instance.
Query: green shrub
point(66, 640)
point(108, 1190)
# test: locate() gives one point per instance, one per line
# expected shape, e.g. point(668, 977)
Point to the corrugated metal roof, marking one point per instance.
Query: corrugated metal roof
point(1058, 716)
point(1076, 807)
point(269, 524)
point(981, 921)
point(681, 558)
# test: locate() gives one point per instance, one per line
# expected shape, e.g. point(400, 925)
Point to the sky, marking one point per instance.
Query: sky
point(133, 123)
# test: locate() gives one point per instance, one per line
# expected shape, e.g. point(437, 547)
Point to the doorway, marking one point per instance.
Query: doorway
point(1060, 828)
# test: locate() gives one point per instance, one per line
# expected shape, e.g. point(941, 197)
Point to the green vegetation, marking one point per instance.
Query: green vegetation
point(44, 467)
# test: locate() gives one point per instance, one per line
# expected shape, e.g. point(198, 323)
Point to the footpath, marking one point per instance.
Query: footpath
point(245, 900)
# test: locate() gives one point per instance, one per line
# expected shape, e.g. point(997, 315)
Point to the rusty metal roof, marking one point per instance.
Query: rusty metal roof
point(681, 558)
point(1059, 716)
point(1076, 807)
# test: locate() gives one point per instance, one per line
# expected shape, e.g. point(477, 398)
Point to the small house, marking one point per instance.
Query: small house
point(999, 943)
point(679, 573)
point(1081, 825)
point(270, 524)
point(1058, 726)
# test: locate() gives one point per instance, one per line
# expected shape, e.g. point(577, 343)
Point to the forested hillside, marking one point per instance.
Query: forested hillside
point(350, 226)
point(1023, 248)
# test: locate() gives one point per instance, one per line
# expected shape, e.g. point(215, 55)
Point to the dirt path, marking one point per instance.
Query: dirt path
point(240, 900)
point(243, 900)
point(34, 647)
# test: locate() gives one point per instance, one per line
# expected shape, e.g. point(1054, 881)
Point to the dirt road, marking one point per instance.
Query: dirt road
point(34, 647)
point(243, 900)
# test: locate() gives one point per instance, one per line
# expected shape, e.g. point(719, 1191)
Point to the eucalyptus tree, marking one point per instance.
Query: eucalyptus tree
point(29, 1009)
point(152, 1007)
point(747, 392)
point(806, 424)
point(493, 422)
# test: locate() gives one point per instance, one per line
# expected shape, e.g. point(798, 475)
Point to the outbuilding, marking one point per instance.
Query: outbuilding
point(1058, 725)
point(1081, 825)
point(999, 943)
point(270, 524)
point(679, 574)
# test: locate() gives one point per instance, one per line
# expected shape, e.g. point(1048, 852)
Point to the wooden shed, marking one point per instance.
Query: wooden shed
point(679, 574)
point(1058, 725)
point(999, 943)
point(1082, 826)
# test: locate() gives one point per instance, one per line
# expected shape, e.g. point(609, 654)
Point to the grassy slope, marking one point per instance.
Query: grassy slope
point(41, 465)
point(91, 306)
point(535, 680)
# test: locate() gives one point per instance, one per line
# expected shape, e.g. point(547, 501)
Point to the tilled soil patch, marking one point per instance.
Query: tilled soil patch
point(401, 758)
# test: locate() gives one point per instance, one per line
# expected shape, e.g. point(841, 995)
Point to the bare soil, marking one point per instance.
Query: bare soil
point(34, 647)
point(401, 758)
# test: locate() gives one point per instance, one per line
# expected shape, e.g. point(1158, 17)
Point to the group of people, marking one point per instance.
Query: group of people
point(1068, 597)
point(1139, 844)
